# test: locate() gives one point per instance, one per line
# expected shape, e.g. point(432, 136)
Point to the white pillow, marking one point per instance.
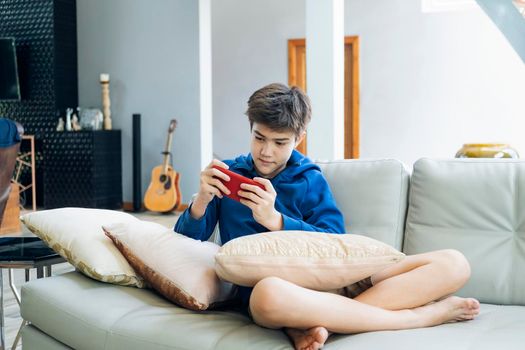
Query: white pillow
point(76, 234)
point(315, 260)
point(179, 268)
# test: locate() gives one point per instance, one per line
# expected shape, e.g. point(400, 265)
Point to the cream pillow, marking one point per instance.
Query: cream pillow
point(314, 260)
point(76, 234)
point(179, 268)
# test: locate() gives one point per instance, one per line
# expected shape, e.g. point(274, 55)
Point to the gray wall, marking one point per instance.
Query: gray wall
point(150, 49)
point(249, 50)
point(429, 81)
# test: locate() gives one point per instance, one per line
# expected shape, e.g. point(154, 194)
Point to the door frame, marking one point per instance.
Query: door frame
point(351, 99)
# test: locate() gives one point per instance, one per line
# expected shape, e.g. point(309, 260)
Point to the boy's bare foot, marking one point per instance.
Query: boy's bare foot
point(311, 339)
point(451, 309)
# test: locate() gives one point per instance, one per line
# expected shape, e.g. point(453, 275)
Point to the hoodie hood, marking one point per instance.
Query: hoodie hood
point(296, 165)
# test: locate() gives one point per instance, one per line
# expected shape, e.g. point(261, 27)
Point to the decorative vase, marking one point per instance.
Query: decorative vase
point(487, 150)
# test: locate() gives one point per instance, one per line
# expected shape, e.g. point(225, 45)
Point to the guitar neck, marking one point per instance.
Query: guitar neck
point(167, 152)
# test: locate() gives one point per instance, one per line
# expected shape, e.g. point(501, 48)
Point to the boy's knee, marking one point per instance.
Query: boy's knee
point(266, 301)
point(457, 265)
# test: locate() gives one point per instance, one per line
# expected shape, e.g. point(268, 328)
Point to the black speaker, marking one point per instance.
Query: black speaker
point(137, 164)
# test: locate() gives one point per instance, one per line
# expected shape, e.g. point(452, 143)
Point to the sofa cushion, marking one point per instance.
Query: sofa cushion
point(476, 206)
point(86, 314)
point(76, 234)
point(320, 261)
point(372, 195)
point(179, 268)
point(496, 327)
point(33, 338)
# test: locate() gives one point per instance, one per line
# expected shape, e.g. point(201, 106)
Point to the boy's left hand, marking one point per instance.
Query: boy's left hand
point(262, 203)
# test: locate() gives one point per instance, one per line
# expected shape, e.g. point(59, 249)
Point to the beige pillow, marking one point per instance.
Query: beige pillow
point(179, 268)
point(76, 234)
point(314, 260)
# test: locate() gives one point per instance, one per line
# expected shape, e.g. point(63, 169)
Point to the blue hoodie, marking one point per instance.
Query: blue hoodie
point(303, 198)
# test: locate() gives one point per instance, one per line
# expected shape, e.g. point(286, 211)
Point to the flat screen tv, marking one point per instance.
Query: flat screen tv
point(9, 85)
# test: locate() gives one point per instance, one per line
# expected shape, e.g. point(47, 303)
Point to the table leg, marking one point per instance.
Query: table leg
point(47, 270)
point(2, 339)
point(39, 272)
point(12, 285)
point(18, 335)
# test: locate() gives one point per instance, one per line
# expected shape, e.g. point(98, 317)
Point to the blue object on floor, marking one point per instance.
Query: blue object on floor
point(8, 133)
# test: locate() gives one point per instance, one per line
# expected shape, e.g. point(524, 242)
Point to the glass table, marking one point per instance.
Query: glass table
point(23, 253)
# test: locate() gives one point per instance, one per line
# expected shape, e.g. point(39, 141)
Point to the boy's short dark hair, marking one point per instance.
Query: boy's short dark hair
point(280, 108)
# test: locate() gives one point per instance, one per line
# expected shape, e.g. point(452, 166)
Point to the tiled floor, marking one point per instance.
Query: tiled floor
point(11, 309)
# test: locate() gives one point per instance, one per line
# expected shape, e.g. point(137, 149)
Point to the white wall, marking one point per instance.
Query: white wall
point(429, 81)
point(433, 81)
point(151, 51)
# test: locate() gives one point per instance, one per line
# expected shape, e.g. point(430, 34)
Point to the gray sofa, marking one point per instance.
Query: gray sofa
point(475, 206)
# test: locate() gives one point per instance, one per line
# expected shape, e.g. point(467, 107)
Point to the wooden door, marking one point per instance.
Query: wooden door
point(297, 77)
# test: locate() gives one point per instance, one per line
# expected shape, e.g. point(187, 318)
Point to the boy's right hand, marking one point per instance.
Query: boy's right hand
point(210, 186)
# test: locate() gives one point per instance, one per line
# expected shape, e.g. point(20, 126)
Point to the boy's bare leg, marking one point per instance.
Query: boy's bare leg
point(276, 303)
point(415, 281)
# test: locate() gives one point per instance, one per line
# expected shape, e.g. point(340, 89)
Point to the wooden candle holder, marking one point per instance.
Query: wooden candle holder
point(106, 103)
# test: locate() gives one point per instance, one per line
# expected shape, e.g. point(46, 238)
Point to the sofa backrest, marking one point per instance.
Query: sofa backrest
point(372, 194)
point(476, 206)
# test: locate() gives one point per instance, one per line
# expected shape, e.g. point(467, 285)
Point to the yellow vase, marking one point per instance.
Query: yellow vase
point(487, 150)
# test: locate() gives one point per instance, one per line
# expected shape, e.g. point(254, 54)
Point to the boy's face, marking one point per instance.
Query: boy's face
point(271, 149)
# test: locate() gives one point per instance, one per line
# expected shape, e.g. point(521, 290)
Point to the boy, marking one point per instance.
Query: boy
point(297, 197)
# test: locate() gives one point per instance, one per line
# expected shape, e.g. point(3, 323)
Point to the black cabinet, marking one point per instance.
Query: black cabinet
point(83, 169)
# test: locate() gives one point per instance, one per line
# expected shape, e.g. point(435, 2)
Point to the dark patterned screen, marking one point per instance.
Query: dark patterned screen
point(46, 47)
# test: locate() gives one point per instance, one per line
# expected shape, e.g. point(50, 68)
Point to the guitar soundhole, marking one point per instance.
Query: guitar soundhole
point(162, 178)
point(167, 184)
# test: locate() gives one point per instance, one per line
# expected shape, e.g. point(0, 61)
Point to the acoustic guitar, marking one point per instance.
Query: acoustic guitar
point(163, 194)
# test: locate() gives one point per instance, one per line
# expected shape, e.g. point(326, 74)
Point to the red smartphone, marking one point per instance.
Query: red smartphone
point(234, 185)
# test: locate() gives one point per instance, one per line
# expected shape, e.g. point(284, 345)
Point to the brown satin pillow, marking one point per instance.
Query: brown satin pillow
point(314, 260)
point(179, 268)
